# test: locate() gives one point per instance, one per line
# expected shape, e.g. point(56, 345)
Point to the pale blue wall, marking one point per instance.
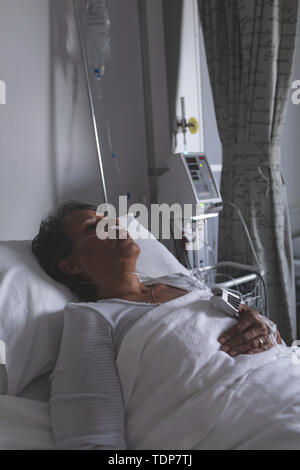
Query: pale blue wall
point(47, 145)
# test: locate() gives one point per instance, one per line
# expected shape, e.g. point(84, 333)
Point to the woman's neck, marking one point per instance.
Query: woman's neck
point(123, 285)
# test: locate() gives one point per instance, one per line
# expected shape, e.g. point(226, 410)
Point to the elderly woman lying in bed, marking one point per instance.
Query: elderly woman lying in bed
point(152, 365)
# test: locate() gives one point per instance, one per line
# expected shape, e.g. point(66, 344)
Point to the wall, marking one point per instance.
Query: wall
point(47, 145)
point(212, 143)
point(158, 81)
point(72, 152)
point(25, 186)
point(120, 112)
point(123, 100)
point(190, 80)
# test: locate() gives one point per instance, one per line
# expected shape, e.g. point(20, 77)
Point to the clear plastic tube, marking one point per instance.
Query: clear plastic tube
point(139, 275)
point(109, 233)
point(272, 331)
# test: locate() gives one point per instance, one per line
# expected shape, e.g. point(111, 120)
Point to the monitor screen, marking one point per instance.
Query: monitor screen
point(201, 177)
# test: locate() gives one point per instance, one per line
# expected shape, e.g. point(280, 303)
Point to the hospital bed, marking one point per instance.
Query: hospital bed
point(248, 403)
point(31, 321)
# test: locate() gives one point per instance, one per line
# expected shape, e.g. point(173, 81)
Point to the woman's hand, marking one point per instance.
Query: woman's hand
point(249, 336)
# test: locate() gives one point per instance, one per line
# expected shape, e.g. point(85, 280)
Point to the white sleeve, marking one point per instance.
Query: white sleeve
point(86, 402)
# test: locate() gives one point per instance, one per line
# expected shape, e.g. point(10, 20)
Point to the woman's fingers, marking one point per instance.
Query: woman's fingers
point(247, 318)
point(249, 335)
point(246, 337)
point(253, 347)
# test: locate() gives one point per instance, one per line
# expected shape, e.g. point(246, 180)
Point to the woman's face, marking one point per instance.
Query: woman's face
point(92, 257)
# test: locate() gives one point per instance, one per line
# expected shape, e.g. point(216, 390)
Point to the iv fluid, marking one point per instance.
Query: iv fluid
point(98, 35)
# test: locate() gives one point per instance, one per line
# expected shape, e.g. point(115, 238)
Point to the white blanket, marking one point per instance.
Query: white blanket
point(182, 392)
point(24, 424)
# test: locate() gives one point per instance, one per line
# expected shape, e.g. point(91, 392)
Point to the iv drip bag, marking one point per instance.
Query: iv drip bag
point(98, 35)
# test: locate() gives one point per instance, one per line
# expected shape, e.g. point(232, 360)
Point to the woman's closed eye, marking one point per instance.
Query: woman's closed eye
point(92, 225)
point(89, 226)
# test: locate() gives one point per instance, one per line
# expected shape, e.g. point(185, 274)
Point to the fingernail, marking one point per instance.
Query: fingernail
point(232, 353)
point(222, 340)
point(225, 348)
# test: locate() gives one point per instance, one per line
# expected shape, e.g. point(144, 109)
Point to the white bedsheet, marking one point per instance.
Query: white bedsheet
point(24, 424)
point(38, 389)
point(182, 392)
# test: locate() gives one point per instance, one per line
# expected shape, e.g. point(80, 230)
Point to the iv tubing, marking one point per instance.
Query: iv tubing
point(91, 100)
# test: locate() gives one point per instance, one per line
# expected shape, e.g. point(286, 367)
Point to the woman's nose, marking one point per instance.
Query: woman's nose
point(111, 229)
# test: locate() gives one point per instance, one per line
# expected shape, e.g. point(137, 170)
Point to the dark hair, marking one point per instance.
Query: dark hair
point(51, 245)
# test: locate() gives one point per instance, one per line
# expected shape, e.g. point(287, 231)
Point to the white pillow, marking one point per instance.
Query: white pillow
point(154, 259)
point(31, 304)
point(30, 314)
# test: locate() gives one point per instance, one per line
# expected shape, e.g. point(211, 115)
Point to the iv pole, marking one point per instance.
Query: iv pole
point(91, 99)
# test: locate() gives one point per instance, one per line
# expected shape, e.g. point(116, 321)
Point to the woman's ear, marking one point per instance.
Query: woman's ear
point(69, 266)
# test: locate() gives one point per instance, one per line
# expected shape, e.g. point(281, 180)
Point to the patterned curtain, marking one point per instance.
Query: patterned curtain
point(250, 49)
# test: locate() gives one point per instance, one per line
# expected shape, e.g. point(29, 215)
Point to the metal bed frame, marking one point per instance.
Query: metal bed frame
point(244, 280)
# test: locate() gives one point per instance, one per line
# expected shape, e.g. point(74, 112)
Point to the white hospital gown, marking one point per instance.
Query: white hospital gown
point(86, 404)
